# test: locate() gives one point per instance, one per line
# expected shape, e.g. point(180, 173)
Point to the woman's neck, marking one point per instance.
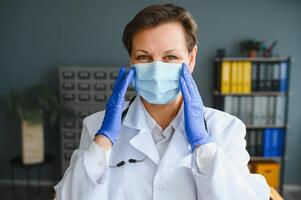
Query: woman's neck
point(163, 114)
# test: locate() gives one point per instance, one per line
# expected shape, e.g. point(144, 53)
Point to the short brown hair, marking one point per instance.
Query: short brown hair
point(157, 14)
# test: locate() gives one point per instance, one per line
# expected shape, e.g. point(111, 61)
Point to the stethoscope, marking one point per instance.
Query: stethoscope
point(131, 160)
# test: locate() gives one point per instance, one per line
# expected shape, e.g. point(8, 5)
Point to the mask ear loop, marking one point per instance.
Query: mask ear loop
point(189, 55)
point(131, 64)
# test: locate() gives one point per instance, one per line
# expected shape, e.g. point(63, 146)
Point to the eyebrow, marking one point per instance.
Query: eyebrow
point(142, 51)
point(168, 51)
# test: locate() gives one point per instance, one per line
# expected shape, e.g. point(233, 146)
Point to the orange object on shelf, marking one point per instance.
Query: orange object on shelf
point(269, 169)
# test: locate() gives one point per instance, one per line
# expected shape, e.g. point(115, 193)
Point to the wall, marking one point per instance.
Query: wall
point(38, 36)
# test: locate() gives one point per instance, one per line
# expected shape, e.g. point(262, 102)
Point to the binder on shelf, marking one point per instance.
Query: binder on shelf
point(252, 142)
point(280, 111)
point(263, 110)
point(262, 77)
point(267, 142)
point(275, 144)
point(246, 78)
point(243, 109)
point(237, 76)
point(234, 77)
point(225, 77)
point(249, 110)
point(278, 142)
point(255, 73)
point(240, 71)
point(258, 142)
point(256, 110)
point(283, 76)
point(228, 104)
point(269, 77)
point(271, 110)
point(235, 106)
point(276, 77)
point(247, 137)
point(281, 142)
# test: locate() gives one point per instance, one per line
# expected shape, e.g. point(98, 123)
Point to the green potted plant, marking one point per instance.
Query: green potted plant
point(29, 108)
point(251, 47)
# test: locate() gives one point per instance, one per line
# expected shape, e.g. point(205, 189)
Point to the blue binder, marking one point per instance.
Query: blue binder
point(283, 77)
point(281, 142)
point(267, 142)
point(273, 142)
point(276, 142)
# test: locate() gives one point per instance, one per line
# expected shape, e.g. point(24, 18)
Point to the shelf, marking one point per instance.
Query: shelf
point(219, 100)
point(256, 59)
point(263, 126)
point(261, 93)
point(261, 158)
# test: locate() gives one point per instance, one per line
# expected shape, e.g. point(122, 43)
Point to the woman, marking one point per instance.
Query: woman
point(165, 144)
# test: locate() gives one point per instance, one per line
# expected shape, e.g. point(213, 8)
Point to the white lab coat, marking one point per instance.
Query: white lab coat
point(214, 171)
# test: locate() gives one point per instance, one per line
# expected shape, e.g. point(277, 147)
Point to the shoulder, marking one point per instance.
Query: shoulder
point(94, 117)
point(221, 116)
point(222, 125)
point(93, 122)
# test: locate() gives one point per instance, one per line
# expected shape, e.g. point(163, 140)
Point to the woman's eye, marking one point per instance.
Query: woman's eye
point(143, 58)
point(171, 58)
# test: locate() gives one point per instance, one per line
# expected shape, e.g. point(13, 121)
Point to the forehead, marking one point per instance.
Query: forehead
point(163, 37)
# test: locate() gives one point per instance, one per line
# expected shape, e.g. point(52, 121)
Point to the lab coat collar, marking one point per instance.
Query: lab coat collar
point(143, 141)
point(151, 123)
point(133, 117)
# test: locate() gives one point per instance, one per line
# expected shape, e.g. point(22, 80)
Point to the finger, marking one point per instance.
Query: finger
point(123, 85)
point(116, 88)
point(194, 89)
point(128, 79)
point(131, 75)
point(184, 90)
point(186, 75)
point(120, 76)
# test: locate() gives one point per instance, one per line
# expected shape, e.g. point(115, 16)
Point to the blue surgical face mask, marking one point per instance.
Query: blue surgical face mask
point(157, 82)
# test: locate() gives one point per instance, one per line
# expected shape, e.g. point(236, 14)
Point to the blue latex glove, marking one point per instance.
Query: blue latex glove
point(193, 110)
point(112, 121)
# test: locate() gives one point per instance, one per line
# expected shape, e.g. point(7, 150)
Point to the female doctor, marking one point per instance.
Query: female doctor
point(164, 144)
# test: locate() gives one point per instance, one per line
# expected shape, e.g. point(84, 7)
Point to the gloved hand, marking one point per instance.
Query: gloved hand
point(193, 110)
point(112, 121)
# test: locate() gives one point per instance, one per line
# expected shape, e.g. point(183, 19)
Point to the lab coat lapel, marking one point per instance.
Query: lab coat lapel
point(143, 141)
point(178, 147)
